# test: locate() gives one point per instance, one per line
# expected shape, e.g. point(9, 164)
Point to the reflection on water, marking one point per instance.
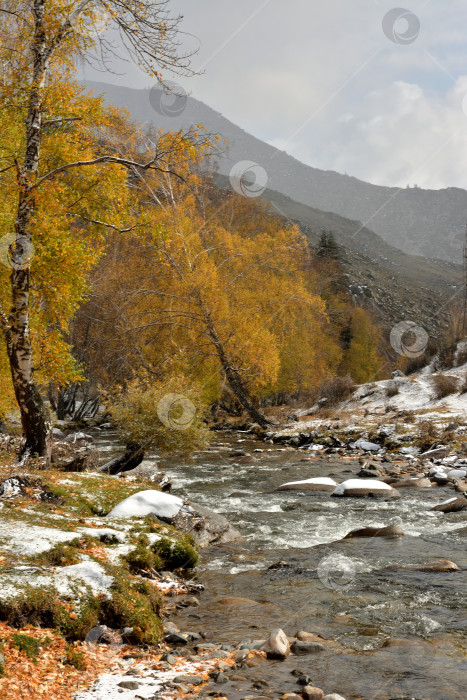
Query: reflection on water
point(401, 632)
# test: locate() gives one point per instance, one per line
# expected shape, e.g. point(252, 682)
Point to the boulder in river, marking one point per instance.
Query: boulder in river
point(365, 488)
point(206, 526)
point(309, 692)
point(414, 483)
point(453, 505)
point(315, 484)
point(277, 645)
point(388, 531)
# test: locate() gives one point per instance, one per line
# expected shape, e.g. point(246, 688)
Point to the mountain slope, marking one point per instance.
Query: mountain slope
point(393, 285)
point(422, 222)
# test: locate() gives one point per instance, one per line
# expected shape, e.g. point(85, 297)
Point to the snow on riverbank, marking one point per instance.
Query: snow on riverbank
point(144, 679)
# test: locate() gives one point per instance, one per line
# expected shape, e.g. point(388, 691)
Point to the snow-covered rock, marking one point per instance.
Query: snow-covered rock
point(365, 488)
point(315, 484)
point(453, 505)
point(457, 473)
point(162, 505)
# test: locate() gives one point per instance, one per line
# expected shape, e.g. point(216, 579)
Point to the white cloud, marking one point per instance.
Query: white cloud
point(323, 81)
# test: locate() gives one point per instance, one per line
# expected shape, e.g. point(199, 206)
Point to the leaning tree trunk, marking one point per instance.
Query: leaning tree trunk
point(130, 459)
point(233, 377)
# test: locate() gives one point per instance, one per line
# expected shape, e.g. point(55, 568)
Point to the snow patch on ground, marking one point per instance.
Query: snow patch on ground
point(89, 573)
point(69, 581)
point(150, 680)
point(27, 540)
point(104, 534)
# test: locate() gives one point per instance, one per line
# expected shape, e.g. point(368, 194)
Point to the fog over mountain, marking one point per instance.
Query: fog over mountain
point(422, 222)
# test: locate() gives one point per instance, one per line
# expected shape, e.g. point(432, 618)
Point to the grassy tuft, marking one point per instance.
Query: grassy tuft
point(444, 385)
point(29, 645)
point(134, 604)
point(177, 553)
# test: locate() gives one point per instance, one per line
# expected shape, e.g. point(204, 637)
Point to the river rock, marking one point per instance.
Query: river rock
point(309, 692)
point(333, 696)
point(300, 648)
point(453, 505)
point(277, 645)
point(440, 478)
point(365, 445)
point(315, 484)
point(129, 685)
point(370, 471)
point(303, 636)
point(206, 526)
point(388, 531)
point(190, 680)
point(415, 483)
point(441, 566)
point(436, 453)
point(365, 488)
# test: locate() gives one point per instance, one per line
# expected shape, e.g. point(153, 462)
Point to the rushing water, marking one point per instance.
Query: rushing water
point(349, 591)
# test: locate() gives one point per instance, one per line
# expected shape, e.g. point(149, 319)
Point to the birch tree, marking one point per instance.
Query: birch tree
point(40, 42)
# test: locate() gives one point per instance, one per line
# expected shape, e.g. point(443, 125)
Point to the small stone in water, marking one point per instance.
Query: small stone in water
point(309, 692)
point(304, 680)
point(277, 645)
point(299, 648)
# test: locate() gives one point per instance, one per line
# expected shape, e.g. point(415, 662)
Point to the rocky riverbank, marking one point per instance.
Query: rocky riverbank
point(332, 559)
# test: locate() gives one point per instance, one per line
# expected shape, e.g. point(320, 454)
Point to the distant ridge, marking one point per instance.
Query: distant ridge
point(421, 222)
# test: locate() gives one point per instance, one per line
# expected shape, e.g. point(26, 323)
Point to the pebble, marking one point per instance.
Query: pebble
point(129, 685)
point(304, 680)
point(191, 680)
point(300, 648)
point(176, 638)
point(240, 655)
point(171, 660)
point(277, 645)
point(220, 677)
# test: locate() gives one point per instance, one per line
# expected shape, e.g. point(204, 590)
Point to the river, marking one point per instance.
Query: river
point(399, 633)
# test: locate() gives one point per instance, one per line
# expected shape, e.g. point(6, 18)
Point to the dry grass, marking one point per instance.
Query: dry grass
point(335, 390)
point(444, 385)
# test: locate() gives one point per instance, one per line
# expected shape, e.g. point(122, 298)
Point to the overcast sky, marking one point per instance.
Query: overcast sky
point(327, 83)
